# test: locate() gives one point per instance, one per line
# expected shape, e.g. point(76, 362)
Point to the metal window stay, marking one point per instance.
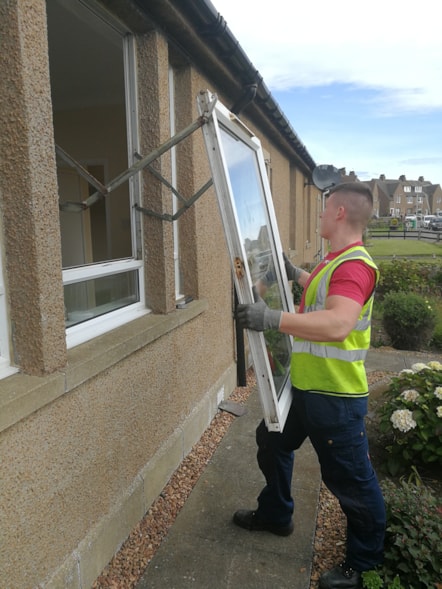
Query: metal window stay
point(143, 162)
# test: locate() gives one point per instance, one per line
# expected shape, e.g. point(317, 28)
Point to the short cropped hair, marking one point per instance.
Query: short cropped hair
point(357, 199)
point(358, 187)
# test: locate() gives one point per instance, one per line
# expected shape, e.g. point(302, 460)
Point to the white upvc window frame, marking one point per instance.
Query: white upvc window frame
point(83, 332)
point(92, 328)
point(275, 392)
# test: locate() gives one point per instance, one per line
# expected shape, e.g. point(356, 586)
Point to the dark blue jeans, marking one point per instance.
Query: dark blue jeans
point(335, 426)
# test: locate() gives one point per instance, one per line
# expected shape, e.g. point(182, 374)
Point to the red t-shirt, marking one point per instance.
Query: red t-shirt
point(353, 279)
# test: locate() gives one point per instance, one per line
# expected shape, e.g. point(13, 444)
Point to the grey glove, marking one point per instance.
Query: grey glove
point(258, 316)
point(293, 272)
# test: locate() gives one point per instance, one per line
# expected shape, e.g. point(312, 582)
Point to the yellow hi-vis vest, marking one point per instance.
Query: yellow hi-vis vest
point(334, 368)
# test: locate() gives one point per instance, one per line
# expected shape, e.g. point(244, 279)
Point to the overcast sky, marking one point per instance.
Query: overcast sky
point(361, 84)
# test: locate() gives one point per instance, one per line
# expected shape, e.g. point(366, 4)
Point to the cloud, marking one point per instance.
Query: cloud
point(417, 161)
point(394, 48)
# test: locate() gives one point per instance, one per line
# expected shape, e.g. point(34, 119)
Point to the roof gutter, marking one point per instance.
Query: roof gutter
point(201, 34)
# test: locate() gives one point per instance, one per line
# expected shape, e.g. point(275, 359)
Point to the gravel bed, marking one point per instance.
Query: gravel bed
point(128, 565)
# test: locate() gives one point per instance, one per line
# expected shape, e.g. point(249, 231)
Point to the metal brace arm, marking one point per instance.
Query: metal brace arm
point(183, 209)
point(144, 162)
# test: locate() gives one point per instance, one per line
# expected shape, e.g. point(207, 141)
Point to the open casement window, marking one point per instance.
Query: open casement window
point(92, 69)
point(242, 188)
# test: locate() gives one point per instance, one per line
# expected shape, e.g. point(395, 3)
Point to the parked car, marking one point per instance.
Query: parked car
point(427, 220)
point(436, 224)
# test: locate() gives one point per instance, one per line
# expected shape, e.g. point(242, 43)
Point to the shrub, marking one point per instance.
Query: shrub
point(436, 340)
point(402, 275)
point(372, 580)
point(411, 417)
point(397, 276)
point(413, 548)
point(408, 319)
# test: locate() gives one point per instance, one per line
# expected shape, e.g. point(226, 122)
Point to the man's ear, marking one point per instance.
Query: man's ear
point(340, 212)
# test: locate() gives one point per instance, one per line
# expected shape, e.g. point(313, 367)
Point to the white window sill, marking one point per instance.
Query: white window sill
point(6, 369)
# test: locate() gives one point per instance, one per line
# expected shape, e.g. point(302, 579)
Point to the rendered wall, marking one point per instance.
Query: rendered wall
point(89, 437)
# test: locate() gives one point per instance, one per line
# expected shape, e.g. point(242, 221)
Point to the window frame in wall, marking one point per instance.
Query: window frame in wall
point(109, 291)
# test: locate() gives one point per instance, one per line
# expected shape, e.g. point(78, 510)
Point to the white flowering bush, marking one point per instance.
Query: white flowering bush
point(411, 417)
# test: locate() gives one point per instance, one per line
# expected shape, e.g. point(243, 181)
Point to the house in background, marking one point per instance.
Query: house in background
point(401, 197)
point(434, 194)
point(397, 198)
point(105, 385)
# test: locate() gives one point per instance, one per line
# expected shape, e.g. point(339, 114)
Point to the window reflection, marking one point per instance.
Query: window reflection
point(251, 212)
point(92, 298)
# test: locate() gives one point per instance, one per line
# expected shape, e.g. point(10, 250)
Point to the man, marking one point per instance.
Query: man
point(330, 391)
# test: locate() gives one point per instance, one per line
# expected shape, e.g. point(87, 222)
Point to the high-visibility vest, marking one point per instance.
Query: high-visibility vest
point(334, 368)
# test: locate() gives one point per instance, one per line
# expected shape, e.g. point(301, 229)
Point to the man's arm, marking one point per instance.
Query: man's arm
point(332, 324)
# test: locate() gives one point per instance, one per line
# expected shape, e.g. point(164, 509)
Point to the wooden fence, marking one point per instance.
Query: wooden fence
point(420, 234)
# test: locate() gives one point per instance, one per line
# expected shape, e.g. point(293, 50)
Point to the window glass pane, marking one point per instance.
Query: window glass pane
point(249, 198)
point(92, 298)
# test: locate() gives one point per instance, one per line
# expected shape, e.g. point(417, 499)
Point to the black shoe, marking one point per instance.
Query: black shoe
point(249, 520)
point(341, 577)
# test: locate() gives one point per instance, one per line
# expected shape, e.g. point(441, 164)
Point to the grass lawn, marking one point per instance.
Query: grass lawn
point(405, 247)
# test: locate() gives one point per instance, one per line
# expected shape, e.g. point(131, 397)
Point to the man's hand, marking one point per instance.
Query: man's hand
point(293, 272)
point(258, 316)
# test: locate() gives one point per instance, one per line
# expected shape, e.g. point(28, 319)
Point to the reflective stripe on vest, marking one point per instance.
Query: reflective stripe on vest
point(306, 347)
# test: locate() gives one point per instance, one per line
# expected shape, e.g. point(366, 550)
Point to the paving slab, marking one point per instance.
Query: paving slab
point(205, 550)
point(396, 360)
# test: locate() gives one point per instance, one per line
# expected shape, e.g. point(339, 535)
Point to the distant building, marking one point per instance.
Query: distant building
point(400, 197)
point(397, 198)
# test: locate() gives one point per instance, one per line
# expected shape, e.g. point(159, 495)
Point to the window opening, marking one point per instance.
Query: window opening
point(92, 72)
point(93, 86)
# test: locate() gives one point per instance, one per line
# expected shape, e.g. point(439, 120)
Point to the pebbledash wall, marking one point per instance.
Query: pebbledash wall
point(92, 431)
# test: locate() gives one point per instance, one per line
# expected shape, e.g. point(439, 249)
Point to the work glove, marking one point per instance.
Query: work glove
point(258, 316)
point(293, 272)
